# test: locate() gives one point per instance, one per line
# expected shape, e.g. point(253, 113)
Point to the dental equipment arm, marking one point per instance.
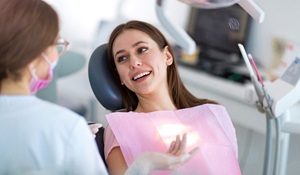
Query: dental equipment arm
point(253, 10)
point(180, 35)
point(264, 101)
point(260, 95)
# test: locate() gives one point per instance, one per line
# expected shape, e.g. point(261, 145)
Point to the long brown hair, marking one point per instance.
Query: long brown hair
point(181, 97)
point(27, 28)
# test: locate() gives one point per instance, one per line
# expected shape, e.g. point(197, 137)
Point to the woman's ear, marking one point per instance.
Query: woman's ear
point(169, 56)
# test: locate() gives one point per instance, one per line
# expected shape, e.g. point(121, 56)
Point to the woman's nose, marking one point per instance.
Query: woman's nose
point(135, 62)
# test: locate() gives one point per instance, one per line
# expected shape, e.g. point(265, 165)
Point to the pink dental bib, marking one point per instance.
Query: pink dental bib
point(207, 126)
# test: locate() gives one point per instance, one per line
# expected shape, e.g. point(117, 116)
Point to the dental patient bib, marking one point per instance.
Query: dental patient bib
point(207, 126)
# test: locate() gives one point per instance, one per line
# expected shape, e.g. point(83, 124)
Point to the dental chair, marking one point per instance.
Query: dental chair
point(104, 87)
point(102, 81)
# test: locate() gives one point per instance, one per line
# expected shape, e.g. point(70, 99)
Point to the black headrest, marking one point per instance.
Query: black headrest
point(102, 80)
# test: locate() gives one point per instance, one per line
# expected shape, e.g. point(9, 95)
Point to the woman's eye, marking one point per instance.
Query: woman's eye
point(121, 58)
point(142, 49)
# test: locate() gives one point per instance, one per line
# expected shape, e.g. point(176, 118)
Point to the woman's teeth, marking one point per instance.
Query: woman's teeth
point(141, 75)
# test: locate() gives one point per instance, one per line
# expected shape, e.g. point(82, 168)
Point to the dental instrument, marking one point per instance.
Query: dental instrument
point(276, 105)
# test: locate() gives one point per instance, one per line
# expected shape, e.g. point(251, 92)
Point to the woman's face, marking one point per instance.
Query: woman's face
point(141, 64)
point(41, 65)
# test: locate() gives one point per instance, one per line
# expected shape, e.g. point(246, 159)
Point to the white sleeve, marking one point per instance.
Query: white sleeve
point(82, 155)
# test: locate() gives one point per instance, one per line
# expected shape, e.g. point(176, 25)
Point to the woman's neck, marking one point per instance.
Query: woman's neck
point(155, 103)
point(12, 87)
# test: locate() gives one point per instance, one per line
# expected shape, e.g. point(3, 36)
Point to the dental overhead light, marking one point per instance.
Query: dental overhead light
point(180, 35)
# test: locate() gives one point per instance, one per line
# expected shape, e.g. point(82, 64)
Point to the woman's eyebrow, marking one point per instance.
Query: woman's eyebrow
point(139, 42)
point(133, 45)
point(120, 51)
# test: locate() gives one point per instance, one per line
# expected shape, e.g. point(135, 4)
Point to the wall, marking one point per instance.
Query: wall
point(280, 21)
point(80, 18)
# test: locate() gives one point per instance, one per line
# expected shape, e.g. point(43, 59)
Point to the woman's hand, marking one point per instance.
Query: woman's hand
point(172, 159)
point(94, 127)
point(175, 156)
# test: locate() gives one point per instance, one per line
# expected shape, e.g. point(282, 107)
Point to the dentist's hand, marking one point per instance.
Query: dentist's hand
point(95, 128)
point(172, 159)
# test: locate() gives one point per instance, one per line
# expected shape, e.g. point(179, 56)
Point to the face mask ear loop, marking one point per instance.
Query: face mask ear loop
point(33, 73)
point(52, 64)
point(46, 58)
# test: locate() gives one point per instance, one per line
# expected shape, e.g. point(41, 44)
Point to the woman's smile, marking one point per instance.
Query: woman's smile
point(142, 75)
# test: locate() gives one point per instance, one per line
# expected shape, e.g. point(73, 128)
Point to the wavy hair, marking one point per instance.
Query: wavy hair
point(181, 97)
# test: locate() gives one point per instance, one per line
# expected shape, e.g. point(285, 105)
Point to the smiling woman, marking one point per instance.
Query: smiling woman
point(154, 45)
point(141, 61)
point(155, 100)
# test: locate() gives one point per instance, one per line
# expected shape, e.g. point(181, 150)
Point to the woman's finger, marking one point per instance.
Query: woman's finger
point(193, 152)
point(183, 143)
point(171, 148)
point(177, 145)
point(182, 158)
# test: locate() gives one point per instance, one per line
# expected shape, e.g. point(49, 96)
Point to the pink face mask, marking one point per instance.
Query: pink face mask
point(36, 83)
